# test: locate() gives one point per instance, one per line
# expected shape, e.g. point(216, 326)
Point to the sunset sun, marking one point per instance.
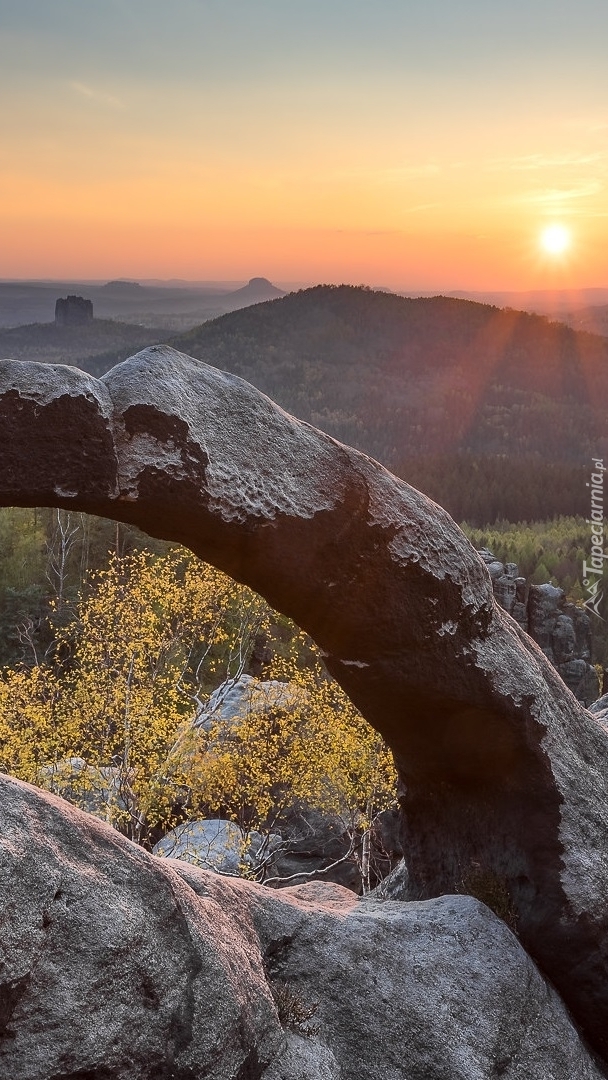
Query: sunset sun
point(555, 239)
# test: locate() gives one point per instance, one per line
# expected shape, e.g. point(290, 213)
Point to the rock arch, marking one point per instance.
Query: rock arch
point(503, 772)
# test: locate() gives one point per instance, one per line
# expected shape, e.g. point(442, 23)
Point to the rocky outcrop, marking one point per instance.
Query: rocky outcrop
point(501, 768)
point(73, 311)
point(509, 587)
point(562, 629)
point(257, 290)
point(115, 965)
point(563, 632)
point(110, 966)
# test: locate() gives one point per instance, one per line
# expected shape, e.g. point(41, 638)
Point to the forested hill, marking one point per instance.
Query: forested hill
point(494, 413)
point(95, 345)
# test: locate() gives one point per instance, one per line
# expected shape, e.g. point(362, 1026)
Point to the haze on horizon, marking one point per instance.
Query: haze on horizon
point(412, 146)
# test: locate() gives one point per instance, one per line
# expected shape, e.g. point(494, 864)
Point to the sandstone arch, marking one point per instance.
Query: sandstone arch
point(502, 769)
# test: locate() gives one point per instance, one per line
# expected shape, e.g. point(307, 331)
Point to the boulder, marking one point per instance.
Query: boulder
point(387, 850)
point(314, 845)
point(581, 678)
point(216, 844)
point(500, 766)
point(599, 707)
point(244, 696)
point(317, 846)
point(395, 886)
point(110, 966)
point(116, 965)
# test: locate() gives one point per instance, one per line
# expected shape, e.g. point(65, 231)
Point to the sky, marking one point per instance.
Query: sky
point(409, 144)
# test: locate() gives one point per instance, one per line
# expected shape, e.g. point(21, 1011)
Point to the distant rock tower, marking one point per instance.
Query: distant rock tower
point(73, 311)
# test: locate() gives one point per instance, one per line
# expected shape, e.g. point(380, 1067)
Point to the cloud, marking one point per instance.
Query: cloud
point(559, 200)
point(555, 196)
point(536, 162)
point(96, 95)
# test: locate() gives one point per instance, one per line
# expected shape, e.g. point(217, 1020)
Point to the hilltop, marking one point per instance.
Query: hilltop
point(495, 413)
point(255, 291)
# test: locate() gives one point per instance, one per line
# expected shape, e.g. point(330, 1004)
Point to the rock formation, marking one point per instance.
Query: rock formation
point(562, 629)
point(116, 965)
point(503, 772)
point(73, 311)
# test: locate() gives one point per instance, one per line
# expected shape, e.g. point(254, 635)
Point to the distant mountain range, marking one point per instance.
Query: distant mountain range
point(168, 308)
point(592, 319)
point(539, 301)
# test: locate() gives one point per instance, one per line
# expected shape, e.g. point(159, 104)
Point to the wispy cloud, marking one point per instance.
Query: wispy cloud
point(538, 162)
point(562, 199)
point(559, 195)
point(98, 96)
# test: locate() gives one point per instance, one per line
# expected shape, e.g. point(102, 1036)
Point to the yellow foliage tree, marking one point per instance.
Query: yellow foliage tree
point(131, 664)
point(110, 723)
point(317, 751)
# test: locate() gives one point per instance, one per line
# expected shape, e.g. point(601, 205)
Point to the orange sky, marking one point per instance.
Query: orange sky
point(318, 142)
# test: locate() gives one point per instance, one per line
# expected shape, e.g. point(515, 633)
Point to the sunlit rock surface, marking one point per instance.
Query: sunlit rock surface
point(502, 769)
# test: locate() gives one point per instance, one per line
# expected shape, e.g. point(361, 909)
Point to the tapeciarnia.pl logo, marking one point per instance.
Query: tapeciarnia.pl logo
point(593, 571)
